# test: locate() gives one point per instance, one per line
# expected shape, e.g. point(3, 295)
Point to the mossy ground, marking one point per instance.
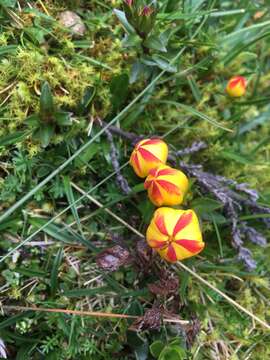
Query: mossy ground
point(56, 268)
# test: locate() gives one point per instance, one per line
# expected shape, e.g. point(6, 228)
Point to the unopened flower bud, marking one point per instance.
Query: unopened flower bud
point(236, 86)
point(166, 186)
point(148, 154)
point(175, 234)
point(147, 11)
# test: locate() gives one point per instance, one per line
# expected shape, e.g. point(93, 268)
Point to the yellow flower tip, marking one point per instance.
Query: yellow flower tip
point(166, 186)
point(236, 86)
point(175, 234)
point(148, 154)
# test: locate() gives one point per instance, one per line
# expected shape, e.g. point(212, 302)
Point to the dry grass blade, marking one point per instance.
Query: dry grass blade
point(85, 313)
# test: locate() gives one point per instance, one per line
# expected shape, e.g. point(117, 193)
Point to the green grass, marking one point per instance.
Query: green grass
point(61, 204)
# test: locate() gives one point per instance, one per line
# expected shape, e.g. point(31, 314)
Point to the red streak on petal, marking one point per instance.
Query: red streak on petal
point(236, 80)
point(182, 222)
point(171, 254)
point(153, 172)
point(159, 221)
point(152, 142)
point(156, 194)
point(167, 172)
point(191, 245)
point(147, 155)
point(136, 161)
point(147, 184)
point(157, 244)
point(168, 186)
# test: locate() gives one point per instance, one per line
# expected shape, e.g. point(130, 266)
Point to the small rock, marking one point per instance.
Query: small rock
point(72, 21)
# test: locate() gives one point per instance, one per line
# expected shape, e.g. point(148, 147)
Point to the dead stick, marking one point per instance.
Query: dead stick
point(85, 313)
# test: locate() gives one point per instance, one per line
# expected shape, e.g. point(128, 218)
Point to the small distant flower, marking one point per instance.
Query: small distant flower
point(166, 186)
point(236, 86)
point(147, 11)
point(175, 234)
point(148, 154)
point(129, 2)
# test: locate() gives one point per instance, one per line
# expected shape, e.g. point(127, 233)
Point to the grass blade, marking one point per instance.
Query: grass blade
point(195, 112)
point(54, 273)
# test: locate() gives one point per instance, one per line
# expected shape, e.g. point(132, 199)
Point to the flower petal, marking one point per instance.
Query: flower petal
point(191, 245)
point(160, 223)
point(171, 254)
point(147, 155)
point(237, 80)
point(182, 222)
point(169, 187)
point(168, 171)
point(136, 161)
point(151, 141)
point(156, 194)
point(156, 244)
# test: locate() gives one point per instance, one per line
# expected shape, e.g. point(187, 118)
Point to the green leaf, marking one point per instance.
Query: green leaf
point(119, 90)
point(12, 335)
point(71, 199)
point(141, 352)
point(88, 96)
point(194, 88)
point(11, 223)
point(156, 43)
point(54, 272)
point(146, 209)
point(137, 70)
point(86, 292)
point(261, 119)
point(25, 351)
point(123, 20)
point(8, 49)
point(53, 230)
point(8, 3)
point(33, 120)
point(214, 216)
point(62, 118)
point(164, 64)
point(236, 157)
point(171, 353)
point(156, 348)
point(36, 35)
point(131, 40)
point(31, 272)
point(87, 155)
point(239, 48)
point(196, 113)
point(13, 319)
point(61, 234)
point(44, 134)
point(46, 102)
point(204, 204)
point(135, 308)
point(13, 138)
point(138, 344)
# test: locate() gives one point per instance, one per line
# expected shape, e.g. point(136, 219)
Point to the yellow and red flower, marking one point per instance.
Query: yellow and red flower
point(148, 154)
point(236, 86)
point(175, 234)
point(166, 186)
